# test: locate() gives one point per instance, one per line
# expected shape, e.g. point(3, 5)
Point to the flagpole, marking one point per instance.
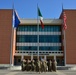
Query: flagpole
point(37, 32)
point(64, 47)
point(11, 51)
point(11, 48)
point(64, 44)
point(64, 40)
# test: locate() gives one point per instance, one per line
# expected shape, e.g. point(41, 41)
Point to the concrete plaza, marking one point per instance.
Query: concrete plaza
point(19, 72)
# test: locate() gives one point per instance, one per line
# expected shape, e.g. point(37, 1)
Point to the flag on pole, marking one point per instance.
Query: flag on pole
point(16, 20)
point(64, 21)
point(41, 18)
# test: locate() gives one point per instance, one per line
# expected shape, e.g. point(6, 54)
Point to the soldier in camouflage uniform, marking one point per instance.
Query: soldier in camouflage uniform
point(54, 64)
point(38, 66)
point(43, 66)
point(49, 65)
point(23, 65)
point(27, 65)
point(32, 65)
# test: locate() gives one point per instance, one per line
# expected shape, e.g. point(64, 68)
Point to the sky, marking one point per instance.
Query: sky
point(50, 9)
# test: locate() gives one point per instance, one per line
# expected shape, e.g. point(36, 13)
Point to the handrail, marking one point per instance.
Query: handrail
point(23, 51)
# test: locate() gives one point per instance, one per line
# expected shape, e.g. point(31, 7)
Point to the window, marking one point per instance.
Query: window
point(47, 28)
point(26, 48)
point(27, 38)
point(50, 38)
point(50, 48)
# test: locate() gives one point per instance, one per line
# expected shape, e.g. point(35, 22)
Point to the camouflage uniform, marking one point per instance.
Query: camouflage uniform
point(23, 65)
point(54, 64)
point(27, 65)
point(38, 66)
point(50, 65)
point(43, 66)
point(32, 65)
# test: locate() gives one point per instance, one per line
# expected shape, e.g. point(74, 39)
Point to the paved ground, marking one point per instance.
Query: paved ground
point(18, 72)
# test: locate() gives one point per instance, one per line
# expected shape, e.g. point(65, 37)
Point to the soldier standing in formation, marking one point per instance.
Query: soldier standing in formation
point(38, 66)
point(43, 66)
point(23, 65)
point(33, 65)
point(54, 64)
point(49, 65)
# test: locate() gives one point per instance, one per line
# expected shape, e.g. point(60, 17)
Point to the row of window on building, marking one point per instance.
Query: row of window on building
point(48, 48)
point(47, 28)
point(42, 38)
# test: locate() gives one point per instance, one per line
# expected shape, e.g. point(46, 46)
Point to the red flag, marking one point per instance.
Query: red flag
point(64, 21)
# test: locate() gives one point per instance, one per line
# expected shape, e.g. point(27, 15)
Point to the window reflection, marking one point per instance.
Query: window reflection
point(48, 48)
point(42, 38)
point(47, 28)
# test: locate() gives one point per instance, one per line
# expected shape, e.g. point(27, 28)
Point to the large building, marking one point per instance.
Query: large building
point(26, 42)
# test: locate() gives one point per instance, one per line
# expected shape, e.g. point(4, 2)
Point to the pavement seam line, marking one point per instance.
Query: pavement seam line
point(60, 73)
point(11, 73)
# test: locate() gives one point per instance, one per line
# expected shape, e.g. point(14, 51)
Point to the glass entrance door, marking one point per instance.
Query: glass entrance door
point(60, 61)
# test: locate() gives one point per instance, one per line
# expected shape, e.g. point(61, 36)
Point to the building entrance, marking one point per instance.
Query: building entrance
point(17, 60)
point(60, 61)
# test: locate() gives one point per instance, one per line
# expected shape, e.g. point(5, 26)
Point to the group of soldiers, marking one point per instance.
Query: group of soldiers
point(38, 65)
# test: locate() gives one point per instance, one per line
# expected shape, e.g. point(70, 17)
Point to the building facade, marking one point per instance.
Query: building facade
point(49, 40)
point(29, 43)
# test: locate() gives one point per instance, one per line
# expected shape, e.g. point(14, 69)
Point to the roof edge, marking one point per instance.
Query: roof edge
point(70, 9)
